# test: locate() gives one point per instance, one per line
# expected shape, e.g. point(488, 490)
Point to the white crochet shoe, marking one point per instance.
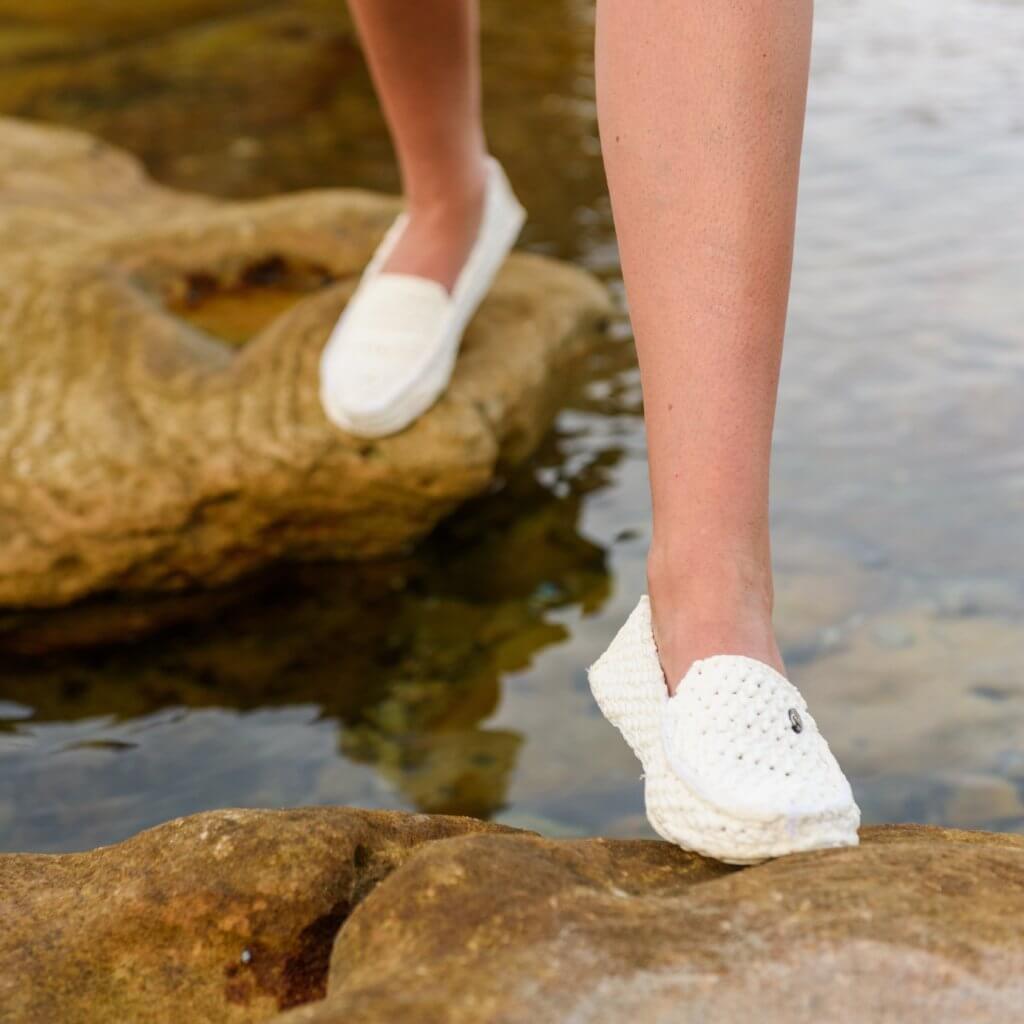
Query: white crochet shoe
point(392, 353)
point(735, 767)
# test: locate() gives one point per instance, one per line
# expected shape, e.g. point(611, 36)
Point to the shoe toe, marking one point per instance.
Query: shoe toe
point(384, 341)
point(740, 736)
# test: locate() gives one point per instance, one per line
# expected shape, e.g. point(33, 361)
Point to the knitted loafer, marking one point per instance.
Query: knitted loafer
point(734, 765)
point(392, 353)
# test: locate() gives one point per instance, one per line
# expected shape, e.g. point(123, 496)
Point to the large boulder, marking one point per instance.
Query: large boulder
point(227, 916)
point(333, 915)
point(145, 448)
point(918, 924)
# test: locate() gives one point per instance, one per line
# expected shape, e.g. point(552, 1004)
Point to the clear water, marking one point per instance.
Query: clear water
point(453, 679)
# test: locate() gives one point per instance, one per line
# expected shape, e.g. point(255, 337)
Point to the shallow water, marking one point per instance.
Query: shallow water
point(453, 679)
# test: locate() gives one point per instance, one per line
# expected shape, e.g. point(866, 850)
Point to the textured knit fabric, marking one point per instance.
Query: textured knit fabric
point(392, 352)
point(734, 765)
point(400, 321)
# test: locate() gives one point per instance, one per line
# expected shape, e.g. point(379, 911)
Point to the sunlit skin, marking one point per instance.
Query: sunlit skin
point(424, 59)
point(701, 109)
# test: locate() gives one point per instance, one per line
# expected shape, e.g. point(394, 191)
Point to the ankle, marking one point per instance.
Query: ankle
point(443, 223)
point(454, 197)
point(703, 606)
point(718, 579)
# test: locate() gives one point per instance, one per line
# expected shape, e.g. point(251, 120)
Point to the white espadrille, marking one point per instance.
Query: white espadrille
point(734, 765)
point(392, 352)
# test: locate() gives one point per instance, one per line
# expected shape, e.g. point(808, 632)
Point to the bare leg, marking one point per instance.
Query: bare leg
point(423, 56)
point(701, 106)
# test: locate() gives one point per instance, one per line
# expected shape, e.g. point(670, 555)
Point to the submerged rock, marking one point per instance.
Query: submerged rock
point(143, 452)
point(379, 916)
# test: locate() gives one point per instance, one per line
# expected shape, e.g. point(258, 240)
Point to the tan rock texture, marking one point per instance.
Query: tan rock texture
point(918, 924)
point(232, 916)
point(227, 916)
point(141, 452)
point(113, 15)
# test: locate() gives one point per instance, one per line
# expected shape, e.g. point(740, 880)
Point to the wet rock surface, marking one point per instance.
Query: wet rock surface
point(141, 452)
point(333, 914)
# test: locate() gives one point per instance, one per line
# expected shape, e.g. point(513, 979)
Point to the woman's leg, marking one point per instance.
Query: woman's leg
point(701, 106)
point(424, 60)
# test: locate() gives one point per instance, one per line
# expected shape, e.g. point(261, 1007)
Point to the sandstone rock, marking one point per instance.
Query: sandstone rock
point(917, 924)
point(227, 916)
point(230, 916)
point(142, 453)
point(115, 16)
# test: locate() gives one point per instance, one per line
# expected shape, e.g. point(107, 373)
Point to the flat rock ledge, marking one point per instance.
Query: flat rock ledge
point(140, 451)
point(330, 915)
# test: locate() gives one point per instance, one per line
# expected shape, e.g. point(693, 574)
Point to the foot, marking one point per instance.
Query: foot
point(392, 353)
point(440, 232)
point(699, 614)
point(734, 765)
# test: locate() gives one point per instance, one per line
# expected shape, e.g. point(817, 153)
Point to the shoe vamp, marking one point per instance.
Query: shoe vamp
point(395, 330)
point(743, 740)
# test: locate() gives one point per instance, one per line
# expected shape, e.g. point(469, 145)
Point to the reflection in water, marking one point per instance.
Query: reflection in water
point(453, 679)
point(404, 658)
